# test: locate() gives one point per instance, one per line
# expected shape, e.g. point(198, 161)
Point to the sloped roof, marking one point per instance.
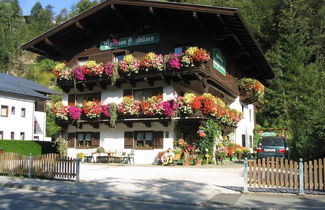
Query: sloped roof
point(48, 43)
point(20, 86)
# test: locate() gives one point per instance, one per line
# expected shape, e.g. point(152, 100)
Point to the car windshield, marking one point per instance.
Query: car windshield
point(271, 142)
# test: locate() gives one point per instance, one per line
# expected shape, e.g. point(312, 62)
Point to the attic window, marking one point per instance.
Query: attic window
point(82, 61)
point(118, 56)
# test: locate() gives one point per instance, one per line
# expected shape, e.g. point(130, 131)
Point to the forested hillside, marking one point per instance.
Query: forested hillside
point(290, 32)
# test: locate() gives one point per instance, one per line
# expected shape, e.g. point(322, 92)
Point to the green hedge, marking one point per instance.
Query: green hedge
point(27, 147)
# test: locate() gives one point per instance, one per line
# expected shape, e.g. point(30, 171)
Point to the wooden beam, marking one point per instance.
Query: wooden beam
point(88, 31)
point(117, 12)
point(128, 124)
point(89, 86)
point(154, 14)
point(164, 123)
point(103, 85)
point(94, 124)
point(80, 87)
point(147, 124)
point(197, 20)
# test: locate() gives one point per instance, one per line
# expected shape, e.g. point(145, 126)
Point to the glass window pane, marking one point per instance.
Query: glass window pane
point(149, 136)
point(138, 95)
point(80, 136)
point(140, 136)
point(88, 136)
point(178, 50)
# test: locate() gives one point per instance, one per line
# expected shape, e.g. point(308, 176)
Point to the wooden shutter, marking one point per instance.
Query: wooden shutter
point(127, 93)
point(128, 140)
point(243, 140)
point(158, 138)
point(158, 92)
point(72, 100)
point(71, 140)
point(95, 139)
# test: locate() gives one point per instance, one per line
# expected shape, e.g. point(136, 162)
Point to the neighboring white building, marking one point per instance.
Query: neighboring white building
point(22, 104)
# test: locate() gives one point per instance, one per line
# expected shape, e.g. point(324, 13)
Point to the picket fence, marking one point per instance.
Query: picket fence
point(45, 166)
point(282, 173)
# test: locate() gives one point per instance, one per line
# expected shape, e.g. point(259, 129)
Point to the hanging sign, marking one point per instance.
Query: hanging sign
point(129, 41)
point(219, 61)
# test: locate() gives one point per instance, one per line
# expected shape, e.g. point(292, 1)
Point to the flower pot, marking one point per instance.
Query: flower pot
point(198, 162)
point(186, 162)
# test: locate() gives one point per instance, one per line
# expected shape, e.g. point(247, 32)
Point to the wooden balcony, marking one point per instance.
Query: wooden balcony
point(204, 75)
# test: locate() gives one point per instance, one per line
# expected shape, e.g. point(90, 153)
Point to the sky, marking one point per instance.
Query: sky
point(26, 5)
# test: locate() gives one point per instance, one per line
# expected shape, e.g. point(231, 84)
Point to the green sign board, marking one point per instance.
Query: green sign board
point(219, 61)
point(268, 134)
point(129, 42)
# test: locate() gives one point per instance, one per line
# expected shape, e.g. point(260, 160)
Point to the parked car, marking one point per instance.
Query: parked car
point(271, 146)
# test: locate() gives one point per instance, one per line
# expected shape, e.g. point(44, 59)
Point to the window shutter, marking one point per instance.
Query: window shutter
point(128, 140)
point(158, 92)
point(95, 139)
point(127, 93)
point(158, 138)
point(71, 100)
point(71, 139)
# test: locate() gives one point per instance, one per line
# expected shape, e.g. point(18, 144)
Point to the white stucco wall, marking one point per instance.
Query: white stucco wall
point(247, 124)
point(15, 122)
point(112, 139)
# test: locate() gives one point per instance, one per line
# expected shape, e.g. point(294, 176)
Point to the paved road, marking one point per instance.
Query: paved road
point(20, 199)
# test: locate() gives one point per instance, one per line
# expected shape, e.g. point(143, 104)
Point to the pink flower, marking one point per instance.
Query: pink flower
point(74, 112)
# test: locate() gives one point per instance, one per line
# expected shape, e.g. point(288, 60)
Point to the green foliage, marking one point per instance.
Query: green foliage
point(21, 147)
point(52, 129)
point(212, 130)
point(82, 6)
point(62, 146)
point(113, 114)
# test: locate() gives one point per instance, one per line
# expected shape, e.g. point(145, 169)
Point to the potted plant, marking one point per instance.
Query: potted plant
point(239, 152)
point(198, 159)
point(221, 152)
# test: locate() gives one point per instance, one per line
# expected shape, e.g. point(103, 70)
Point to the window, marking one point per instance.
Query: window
point(178, 50)
point(4, 111)
point(243, 140)
point(13, 110)
point(84, 139)
point(118, 56)
point(23, 112)
point(12, 135)
point(36, 138)
point(82, 61)
point(81, 98)
point(35, 126)
point(144, 139)
point(1, 134)
point(22, 135)
point(144, 94)
point(250, 141)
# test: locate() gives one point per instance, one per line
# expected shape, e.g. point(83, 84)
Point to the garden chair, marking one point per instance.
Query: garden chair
point(130, 157)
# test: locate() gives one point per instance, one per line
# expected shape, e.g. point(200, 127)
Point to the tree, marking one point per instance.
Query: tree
point(82, 6)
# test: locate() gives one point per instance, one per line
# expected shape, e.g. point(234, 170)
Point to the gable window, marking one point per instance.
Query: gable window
point(23, 112)
point(178, 50)
point(1, 134)
point(40, 105)
point(118, 56)
point(13, 110)
point(4, 111)
point(12, 135)
point(22, 135)
point(144, 94)
point(82, 61)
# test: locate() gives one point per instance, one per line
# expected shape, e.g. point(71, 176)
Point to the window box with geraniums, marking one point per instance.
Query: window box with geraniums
point(251, 90)
point(131, 66)
point(207, 105)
